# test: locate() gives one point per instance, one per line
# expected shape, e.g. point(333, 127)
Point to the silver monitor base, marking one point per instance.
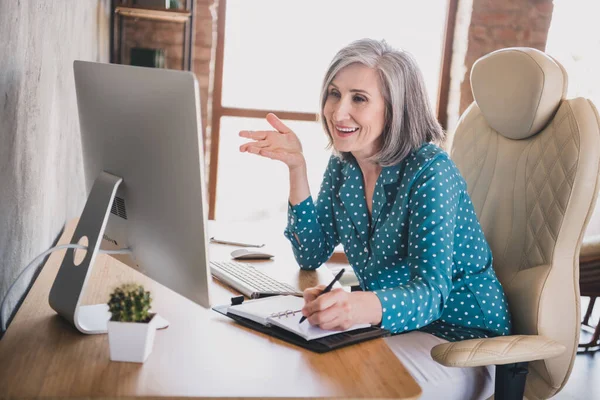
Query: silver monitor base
point(69, 285)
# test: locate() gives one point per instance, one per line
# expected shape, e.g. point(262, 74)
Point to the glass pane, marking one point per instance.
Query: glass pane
point(277, 52)
point(253, 188)
point(576, 45)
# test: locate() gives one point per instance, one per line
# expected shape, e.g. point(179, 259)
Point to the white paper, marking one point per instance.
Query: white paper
point(305, 329)
point(260, 309)
point(272, 311)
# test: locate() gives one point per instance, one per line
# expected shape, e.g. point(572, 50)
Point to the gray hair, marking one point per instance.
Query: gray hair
point(409, 118)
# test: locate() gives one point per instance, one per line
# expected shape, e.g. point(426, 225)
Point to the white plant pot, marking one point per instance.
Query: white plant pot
point(131, 341)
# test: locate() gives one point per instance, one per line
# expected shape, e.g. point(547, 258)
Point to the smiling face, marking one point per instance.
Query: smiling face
point(355, 111)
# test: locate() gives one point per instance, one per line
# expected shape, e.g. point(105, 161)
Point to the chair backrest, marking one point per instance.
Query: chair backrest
point(531, 162)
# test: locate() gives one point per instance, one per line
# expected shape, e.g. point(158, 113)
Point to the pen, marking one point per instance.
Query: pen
point(328, 288)
point(213, 240)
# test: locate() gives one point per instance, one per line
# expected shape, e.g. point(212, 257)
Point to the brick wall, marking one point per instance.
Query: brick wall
point(170, 36)
point(496, 24)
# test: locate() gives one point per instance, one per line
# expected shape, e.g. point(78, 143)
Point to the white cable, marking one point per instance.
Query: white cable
point(44, 254)
point(119, 251)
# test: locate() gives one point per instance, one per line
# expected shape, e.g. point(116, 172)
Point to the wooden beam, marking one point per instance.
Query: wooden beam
point(216, 111)
point(444, 86)
point(153, 14)
point(255, 113)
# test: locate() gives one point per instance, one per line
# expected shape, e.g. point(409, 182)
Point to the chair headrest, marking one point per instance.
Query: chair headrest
point(518, 90)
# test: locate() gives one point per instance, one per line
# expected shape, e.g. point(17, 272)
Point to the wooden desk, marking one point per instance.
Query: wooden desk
point(202, 353)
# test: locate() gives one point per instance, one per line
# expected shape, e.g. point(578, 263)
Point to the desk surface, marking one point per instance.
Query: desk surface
point(201, 354)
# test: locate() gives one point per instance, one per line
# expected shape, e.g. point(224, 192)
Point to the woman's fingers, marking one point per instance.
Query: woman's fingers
point(325, 301)
point(277, 124)
point(273, 155)
point(329, 311)
point(281, 145)
point(261, 140)
point(338, 323)
point(261, 144)
point(255, 135)
point(320, 303)
point(312, 293)
point(329, 317)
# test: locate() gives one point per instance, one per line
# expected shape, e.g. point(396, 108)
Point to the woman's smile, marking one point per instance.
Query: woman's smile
point(345, 131)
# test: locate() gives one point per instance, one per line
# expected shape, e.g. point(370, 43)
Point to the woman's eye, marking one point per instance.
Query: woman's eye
point(334, 93)
point(359, 99)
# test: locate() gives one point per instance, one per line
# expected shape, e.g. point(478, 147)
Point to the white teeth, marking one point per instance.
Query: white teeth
point(348, 130)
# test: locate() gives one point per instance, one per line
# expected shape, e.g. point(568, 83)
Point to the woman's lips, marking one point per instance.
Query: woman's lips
point(344, 131)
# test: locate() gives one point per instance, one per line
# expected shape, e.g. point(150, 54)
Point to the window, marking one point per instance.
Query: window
point(255, 188)
point(274, 56)
point(576, 45)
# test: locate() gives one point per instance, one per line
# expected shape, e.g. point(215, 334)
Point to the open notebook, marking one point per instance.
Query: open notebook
point(284, 312)
point(279, 317)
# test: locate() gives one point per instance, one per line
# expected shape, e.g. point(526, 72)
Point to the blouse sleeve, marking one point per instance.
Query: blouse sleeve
point(311, 228)
point(433, 207)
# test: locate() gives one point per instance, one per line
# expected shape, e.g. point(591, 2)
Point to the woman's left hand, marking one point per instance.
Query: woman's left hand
point(331, 311)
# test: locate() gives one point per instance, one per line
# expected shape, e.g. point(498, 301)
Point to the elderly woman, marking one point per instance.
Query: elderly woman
point(399, 206)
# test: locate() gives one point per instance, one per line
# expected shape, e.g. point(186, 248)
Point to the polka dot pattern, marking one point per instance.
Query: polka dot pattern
point(422, 252)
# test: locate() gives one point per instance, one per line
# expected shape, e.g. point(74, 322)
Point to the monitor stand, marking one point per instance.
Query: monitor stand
point(69, 284)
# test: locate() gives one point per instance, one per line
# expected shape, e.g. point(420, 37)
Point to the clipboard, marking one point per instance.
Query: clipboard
point(321, 345)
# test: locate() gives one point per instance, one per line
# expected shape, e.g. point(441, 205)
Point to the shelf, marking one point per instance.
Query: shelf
point(154, 14)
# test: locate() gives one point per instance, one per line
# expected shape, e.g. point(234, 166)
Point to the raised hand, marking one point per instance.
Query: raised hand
point(281, 144)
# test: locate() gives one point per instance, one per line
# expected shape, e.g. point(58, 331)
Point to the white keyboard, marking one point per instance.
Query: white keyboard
point(248, 280)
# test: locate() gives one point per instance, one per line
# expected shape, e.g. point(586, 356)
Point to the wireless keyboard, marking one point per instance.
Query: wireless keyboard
point(249, 281)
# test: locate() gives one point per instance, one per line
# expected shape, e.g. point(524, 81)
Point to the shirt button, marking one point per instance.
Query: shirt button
point(366, 250)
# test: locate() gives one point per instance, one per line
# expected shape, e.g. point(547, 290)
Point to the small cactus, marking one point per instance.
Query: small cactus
point(130, 303)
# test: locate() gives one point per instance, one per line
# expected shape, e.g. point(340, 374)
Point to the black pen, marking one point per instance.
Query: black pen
point(328, 288)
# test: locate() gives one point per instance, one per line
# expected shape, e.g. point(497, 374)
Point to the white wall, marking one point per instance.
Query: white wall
point(41, 177)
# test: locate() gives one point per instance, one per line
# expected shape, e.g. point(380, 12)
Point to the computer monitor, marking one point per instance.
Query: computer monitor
point(144, 172)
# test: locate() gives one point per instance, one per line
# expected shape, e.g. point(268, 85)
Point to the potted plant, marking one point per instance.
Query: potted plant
point(131, 329)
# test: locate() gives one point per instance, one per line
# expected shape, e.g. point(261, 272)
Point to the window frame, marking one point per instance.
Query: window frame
point(218, 111)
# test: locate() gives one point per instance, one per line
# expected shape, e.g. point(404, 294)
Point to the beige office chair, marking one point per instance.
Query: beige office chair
point(531, 162)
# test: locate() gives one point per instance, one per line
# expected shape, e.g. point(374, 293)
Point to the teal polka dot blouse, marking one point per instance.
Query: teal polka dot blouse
point(422, 252)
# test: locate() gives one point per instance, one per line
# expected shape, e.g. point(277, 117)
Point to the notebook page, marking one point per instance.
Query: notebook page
point(305, 329)
point(260, 309)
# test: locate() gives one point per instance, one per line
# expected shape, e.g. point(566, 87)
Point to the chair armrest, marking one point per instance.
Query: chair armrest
point(590, 248)
point(496, 351)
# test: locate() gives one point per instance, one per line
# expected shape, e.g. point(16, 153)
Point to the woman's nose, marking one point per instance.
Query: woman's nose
point(342, 111)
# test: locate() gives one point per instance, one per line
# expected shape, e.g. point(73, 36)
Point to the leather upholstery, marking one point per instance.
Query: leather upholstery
point(499, 350)
point(531, 162)
point(519, 105)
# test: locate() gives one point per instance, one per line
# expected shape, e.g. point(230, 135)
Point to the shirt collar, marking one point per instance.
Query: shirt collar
point(389, 174)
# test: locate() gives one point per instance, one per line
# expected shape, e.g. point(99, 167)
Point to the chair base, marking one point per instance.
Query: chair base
point(510, 381)
point(594, 343)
